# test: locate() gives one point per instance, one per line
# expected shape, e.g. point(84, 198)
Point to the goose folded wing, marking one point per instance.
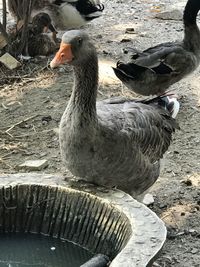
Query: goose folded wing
point(163, 60)
point(147, 127)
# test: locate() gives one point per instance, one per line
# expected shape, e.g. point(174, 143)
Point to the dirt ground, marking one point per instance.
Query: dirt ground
point(33, 98)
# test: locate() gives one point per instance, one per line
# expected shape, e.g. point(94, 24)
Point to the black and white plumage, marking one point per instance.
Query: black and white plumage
point(65, 14)
point(115, 143)
point(156, 68)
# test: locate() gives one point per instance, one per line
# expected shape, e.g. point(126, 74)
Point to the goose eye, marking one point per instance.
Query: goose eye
point(80, 41)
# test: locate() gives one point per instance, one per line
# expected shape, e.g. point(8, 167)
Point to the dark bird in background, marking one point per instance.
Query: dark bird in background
point(38, 41)
point(155, 69)
point(115, 142)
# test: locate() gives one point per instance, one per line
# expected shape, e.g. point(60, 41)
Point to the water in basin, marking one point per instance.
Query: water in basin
point(32, 250)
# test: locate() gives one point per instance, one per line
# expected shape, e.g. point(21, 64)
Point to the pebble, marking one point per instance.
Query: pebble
point(170, 15)
point(194, 251)
point(33, 165)
point(61, 70)
point(187, 182)
point(162, 206)
point(9, 61)
point(130, 30)
point(148, 199)
point(46, 119)
point(125, 40)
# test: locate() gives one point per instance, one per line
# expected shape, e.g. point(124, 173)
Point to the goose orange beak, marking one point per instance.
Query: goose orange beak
point(64, 55)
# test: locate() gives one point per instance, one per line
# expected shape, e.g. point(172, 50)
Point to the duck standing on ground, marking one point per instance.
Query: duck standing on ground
point(155, 69)
point(65, 14)
point(112, 142)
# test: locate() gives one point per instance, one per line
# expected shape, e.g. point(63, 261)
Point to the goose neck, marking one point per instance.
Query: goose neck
point(191, 31)
point(192, 39)
point(190, 13)
point(84, 94)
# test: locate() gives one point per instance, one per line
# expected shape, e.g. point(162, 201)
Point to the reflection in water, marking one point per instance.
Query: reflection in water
point(31, 250)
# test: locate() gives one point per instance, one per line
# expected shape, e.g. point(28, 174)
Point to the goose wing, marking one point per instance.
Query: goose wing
point(163, 59)
point(145, 125)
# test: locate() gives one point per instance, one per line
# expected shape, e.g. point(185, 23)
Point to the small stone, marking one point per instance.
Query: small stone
point(193, 232)
point(170, 15)
point(99, 36)
point(130, 30)
point(9, 61)
point(187, 182)
point(194, 251)
point(105, 52)
point(162, 206)
point(125, 40)
point(46, 119)
point(148, 199)
point(33, 165)
point(61, 70)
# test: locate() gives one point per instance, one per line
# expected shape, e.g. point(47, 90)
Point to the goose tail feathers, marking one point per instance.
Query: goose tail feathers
point(167, 101)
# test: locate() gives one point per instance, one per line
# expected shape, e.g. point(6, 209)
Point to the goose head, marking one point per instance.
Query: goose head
point(42, 23)
point(75, 49)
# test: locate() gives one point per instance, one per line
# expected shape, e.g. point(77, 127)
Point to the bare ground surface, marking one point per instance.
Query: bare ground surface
point(33, 98)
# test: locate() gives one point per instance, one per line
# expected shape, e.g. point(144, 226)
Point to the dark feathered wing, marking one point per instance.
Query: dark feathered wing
point(162, 59)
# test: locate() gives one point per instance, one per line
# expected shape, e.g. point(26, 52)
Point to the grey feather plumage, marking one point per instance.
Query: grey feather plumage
point(115, 143)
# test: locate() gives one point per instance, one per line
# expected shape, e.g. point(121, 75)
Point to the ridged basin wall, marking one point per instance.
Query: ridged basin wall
point(64, 213)
point(102, 220)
